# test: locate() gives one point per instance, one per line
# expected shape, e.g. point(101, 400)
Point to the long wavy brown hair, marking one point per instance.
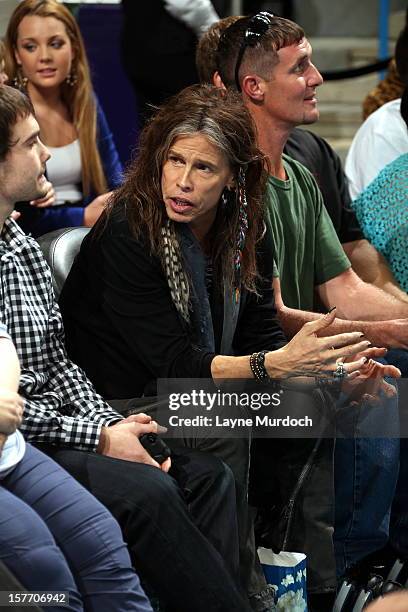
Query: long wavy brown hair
point(79, 99)
point(223, 119)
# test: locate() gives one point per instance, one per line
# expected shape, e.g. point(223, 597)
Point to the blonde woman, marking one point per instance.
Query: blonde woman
point(45, 57)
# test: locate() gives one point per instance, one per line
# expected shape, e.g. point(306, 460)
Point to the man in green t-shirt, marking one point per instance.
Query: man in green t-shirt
point(325, 165)
point(268, 60)
point(272, 68)
point(307, 248)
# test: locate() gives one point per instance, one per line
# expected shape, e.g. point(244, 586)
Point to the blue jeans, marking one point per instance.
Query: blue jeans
point(55, 536)
point(399, 358)
point(399, 513)
point(365, 474)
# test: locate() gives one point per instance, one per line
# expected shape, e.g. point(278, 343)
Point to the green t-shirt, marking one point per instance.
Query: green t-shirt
point(307, 250)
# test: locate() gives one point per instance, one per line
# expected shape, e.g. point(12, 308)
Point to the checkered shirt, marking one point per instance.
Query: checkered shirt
point(61, 405)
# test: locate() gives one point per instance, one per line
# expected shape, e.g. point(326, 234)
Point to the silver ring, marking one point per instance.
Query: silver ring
point(340, 371)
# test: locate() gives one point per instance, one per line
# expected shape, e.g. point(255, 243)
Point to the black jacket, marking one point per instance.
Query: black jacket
point(123, 329)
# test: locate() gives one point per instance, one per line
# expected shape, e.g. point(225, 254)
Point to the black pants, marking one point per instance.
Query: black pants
point(276, 466)
point(181, 529)
point(235, 453)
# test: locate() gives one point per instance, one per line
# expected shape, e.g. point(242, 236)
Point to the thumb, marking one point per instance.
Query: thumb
point(323, 322)
point(138, 418)
point(391, 371)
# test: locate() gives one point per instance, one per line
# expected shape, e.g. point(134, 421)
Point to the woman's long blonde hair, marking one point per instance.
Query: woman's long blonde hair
point(79, 98)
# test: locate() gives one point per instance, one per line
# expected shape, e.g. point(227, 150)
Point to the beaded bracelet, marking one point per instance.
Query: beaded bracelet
point(257, 365)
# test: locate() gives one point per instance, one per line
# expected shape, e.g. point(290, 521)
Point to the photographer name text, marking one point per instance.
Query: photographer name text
point(235, 423)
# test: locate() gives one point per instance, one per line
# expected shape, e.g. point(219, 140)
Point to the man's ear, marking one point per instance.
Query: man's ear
point(217, 81)
point(252, 86)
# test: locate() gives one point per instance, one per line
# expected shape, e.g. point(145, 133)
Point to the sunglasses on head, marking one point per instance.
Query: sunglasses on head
point(257, 27)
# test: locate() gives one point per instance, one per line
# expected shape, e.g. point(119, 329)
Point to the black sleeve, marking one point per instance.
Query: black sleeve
point(138, 302)
point(258, 326)
point(325, 165)
point(118, 297)
point(349, 229)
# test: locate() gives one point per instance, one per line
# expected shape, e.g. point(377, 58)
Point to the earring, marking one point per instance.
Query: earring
point(72, 79)
point(224, 199)
point(20, 81)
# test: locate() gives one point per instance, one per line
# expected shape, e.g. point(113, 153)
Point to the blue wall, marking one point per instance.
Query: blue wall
point(101, 27)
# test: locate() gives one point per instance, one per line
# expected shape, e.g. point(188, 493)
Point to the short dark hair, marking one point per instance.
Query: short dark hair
point(207, 48)
point(261, 57)
point(14, 105)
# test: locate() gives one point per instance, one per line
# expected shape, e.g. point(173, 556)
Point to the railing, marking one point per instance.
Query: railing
point(351, 73)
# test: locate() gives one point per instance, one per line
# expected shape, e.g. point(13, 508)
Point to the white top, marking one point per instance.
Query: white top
point(65, 172)
point(198, 15)
point(14, 447)
point(12, 453)
point(382, 138)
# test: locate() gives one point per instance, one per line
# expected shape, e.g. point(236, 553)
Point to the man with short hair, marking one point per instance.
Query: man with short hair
point(268, 60)
point(278, 83)
point(86, 436)
point(317, 155)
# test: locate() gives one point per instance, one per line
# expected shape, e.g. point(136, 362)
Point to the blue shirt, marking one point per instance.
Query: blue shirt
point(382, 210)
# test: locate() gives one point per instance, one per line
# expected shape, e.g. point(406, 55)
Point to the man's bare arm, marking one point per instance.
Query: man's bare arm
point(372, 267)
point(393, 333)
point(357, 300)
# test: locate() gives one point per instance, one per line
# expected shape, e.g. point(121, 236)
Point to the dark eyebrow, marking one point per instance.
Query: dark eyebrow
point(33, 39)
point(174, 152)
point(205, 162)
point(301, 60)
point(32, 136)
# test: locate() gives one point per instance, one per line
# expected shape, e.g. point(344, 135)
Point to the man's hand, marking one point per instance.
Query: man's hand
point(370, 381)
point(47, 200)
point(122, 441)
point(11, 411)
point(141, 417)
